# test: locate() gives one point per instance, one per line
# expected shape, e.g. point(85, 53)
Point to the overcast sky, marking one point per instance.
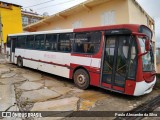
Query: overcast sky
point(54, 6)
point(152, 7)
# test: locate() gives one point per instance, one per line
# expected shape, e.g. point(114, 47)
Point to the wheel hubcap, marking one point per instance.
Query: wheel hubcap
point(81, 79)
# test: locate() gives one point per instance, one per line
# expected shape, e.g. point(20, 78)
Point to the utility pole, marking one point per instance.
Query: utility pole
point(1, 34)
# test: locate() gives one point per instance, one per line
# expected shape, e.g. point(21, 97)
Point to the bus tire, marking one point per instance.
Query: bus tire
point(19, 62)
point(81, 79)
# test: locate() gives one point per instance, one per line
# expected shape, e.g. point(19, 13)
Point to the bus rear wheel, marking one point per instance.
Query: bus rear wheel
point(20, 62)
point(81, 79)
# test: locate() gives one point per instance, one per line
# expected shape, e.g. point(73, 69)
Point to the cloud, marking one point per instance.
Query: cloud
point(157, 44)
point(152, 8)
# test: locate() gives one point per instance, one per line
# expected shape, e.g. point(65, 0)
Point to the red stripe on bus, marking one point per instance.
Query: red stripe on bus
point(93, 71)
point(118, 88)
point(132, 27)
point(106, 85)
point(52, 63)
point(114, 87)
point(149, 76)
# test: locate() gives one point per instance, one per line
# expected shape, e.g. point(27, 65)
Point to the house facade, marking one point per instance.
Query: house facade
point(10, 21)
point(158, 60)
point(29, 17)
point(158, 65)
point(95, 13)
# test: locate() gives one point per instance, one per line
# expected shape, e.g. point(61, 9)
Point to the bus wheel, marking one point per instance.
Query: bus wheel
point(20, 62)
point(81, 79)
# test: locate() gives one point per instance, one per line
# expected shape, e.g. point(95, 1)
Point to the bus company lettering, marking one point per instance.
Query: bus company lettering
point(49, 56)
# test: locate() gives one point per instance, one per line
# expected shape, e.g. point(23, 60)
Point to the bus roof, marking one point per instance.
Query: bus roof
point(42, 32)
point(132, 27)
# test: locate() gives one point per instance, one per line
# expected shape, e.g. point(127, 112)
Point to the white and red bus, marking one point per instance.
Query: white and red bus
point(118, 57)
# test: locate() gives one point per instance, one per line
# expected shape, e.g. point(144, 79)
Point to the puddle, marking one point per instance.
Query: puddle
point(89, 98)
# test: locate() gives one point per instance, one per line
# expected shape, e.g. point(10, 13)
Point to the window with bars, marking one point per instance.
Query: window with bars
point(77, 24)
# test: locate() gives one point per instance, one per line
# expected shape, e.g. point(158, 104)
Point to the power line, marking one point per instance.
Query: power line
point(55, 4)
point(39, 4)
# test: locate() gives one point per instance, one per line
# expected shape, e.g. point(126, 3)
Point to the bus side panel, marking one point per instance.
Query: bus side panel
point(55, 63)
point(13, 57)
point(56, 70)
point(95, 75)
point(50, 62)
point(90, 64)
point(8, 50)
point(78, 61)
point(81, 61)
point(94, 79)
point(31, 59)
point(19, 52)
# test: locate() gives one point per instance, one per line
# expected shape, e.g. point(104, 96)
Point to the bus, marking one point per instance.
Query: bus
point(119, 58)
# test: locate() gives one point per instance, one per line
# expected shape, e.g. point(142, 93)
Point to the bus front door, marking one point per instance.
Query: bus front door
point(114, 70)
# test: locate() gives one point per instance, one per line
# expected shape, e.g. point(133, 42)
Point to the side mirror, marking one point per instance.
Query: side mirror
point(147, 45)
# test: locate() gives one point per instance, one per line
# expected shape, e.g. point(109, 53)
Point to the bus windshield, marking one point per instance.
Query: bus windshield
point(147, 59)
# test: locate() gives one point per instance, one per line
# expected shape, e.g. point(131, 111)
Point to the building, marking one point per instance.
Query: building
point(30, 17)
point(158, 64)
point(95, 13)
point(158, 60)
point(10, 20)
point(158, 51)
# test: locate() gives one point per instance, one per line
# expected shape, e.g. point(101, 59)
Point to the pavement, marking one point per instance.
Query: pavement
point(24, 89)
point(2, 57)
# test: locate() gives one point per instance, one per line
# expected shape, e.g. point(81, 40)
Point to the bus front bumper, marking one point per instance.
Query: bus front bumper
point(143, 87)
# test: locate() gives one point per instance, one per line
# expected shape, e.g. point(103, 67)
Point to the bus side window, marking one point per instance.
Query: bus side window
point(64, 43)
point(39, 42)
point(30, 42)
point(95, 42)
point(51, 42)
point(87, 42)
point(21, 41)
point(13, 43)
point(80, 39)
